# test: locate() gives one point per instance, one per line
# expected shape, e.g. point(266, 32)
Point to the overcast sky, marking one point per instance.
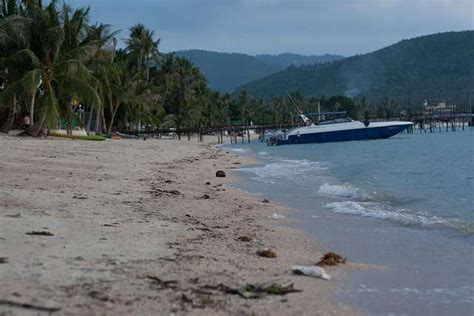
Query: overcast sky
point(345, 27)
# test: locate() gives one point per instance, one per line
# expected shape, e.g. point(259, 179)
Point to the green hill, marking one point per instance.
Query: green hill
point(288, 59)
point(226, 72)
point(438, 66)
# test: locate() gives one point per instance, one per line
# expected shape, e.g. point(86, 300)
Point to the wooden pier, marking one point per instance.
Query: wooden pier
point(442, 122)
point(424, 123)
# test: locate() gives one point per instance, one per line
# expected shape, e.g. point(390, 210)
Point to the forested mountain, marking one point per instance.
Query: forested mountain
point(226, 72)
point(438, 66)
point(288, 59)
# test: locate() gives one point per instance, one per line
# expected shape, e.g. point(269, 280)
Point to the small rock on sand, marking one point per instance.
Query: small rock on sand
point(220, 174)
point(266, 253)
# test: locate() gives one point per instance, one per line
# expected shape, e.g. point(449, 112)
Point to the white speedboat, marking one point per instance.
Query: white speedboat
point(339, 130)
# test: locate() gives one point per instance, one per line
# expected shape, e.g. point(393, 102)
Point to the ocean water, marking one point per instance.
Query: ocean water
point(405, 203)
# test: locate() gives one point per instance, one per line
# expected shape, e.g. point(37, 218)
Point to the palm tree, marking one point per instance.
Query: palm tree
point(10, 23)
point(103, 67)
point(143, 47)
point(181, 84)
point(53, 53)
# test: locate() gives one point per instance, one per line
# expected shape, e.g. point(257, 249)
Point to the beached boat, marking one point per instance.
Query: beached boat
point(339, 130)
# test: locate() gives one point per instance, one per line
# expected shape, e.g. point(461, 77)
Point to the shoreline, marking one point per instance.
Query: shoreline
point(137, 230)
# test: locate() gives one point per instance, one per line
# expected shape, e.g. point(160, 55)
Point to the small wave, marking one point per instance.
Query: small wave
point(284, 170)
point(399, 215)
point(342, 190)
point(376, 210)
point(263, 153)
point(277, 216)
point(239, 150)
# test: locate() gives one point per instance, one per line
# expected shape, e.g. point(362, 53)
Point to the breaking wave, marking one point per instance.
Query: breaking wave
point(285, 170)
point(239, 150)
point(342, 190)
point(402, 216)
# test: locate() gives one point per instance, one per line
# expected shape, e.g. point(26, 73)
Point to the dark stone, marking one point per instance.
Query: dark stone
point(220, 174)
point(245, 238)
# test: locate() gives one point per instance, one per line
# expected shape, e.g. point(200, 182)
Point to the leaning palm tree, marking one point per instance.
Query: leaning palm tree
point(11, 41)
point(53, 56)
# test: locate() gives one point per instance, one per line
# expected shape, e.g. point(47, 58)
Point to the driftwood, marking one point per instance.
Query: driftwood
point(40, 233)
point(171, 284)
point(162, 191)
point(27, 305)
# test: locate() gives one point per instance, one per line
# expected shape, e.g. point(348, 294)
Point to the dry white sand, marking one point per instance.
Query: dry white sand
point(125, 212)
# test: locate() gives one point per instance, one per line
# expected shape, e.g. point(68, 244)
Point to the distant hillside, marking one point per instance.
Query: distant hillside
point(438, 66)
point(287, 59)
point(226, 72)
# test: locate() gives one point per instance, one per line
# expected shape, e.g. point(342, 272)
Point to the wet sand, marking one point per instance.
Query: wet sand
point(143, 227)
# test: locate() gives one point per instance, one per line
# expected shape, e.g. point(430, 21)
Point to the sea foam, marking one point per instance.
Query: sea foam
point(381, 211)
point(239, 150)
point(284, 170)
point(342, 190)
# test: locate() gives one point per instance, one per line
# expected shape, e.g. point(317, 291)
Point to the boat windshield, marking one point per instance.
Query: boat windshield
point(335, 121)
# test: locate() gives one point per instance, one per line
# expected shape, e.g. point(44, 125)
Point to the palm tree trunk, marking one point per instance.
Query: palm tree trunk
point(104, 123)
point(8, 125)
point(189, 132)
point(36, 128)
point(112, 119)
point(97, 122)
point(31, 109)
point(89, 120)
point(147, 70)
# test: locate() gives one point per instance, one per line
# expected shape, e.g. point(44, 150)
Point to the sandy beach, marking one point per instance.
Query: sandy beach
point(143, 227)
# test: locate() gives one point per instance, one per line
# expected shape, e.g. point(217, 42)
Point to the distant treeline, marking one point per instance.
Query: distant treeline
point(281, 110)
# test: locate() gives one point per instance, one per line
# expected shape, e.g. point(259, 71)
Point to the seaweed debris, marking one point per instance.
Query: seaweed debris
point(331, 259)
point(266, 253)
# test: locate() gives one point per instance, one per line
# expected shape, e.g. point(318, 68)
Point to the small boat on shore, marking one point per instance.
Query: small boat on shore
point(338, 130)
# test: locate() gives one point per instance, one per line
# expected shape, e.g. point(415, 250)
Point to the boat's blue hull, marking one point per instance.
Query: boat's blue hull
point(345, 135)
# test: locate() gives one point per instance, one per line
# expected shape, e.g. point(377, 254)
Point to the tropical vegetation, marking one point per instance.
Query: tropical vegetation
point(62, 72)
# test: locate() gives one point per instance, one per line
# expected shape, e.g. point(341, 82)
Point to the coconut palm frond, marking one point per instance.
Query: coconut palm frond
point(26, 85)
point(84, 52)
point(74, 68)
point(26, 55)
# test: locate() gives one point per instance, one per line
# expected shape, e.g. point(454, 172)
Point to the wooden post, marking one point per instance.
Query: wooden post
point(454, 120)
